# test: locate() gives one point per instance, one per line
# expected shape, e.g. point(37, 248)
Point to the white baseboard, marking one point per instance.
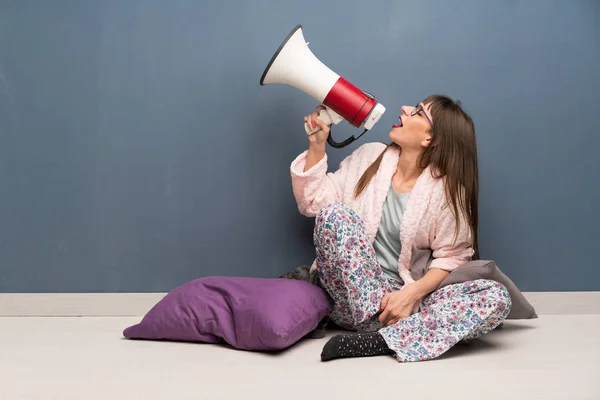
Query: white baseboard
point(138, 304)
point(77, 304)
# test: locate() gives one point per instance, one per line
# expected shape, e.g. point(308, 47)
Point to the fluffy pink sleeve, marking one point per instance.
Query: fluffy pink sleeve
point(316, 188)
point(448, 253)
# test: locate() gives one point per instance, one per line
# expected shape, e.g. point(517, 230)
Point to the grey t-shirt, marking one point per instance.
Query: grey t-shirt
point(387, 241)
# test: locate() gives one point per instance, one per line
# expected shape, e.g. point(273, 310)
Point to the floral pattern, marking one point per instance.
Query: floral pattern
point(349, 272)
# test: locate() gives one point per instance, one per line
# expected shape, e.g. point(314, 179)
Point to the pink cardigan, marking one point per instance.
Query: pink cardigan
point(427, 222)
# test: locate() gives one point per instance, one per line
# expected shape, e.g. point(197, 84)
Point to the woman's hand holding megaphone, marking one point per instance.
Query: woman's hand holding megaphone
point(317, 141)
point(317, 124)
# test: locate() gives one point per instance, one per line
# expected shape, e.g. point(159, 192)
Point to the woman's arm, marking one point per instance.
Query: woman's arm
point(314, 187)
point(428, 283)
point(450, 248)
point(315, 153)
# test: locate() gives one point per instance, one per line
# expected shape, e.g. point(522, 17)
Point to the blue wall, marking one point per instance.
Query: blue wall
point(138, 150)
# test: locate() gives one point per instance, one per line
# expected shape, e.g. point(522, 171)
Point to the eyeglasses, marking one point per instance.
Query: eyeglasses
point(418, 110)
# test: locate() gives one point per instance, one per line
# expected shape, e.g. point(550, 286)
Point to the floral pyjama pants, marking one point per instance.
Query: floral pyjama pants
point(350, 273)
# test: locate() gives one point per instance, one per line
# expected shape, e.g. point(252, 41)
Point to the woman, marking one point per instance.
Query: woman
point(391, 223)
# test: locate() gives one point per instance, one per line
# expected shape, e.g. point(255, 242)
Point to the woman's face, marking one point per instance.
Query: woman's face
point(413, 130)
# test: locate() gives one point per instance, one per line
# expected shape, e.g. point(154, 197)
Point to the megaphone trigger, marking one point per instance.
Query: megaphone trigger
point(328, 116)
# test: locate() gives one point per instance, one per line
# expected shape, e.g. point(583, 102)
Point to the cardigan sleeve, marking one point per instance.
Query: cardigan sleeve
point(450, 250)
point(316, 188)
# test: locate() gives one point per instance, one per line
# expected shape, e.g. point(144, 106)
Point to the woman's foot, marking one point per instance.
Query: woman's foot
point(358, 345)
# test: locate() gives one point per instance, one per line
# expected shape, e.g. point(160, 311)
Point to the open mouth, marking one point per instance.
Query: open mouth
point(399, 124)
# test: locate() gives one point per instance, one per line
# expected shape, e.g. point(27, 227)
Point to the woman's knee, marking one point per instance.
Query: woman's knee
point(498, 297)
point(335, 212)
point(336, 222)
point(335, 216)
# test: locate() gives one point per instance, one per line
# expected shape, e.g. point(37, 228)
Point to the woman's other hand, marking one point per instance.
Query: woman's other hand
point(398, 305)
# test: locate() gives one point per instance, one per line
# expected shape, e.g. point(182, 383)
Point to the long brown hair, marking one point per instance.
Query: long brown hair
point(453, 156)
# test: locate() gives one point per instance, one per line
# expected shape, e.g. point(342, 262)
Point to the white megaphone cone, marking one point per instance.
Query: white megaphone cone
point(295, 65)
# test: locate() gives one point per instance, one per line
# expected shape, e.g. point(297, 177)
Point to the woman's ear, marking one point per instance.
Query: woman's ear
point(428, 142)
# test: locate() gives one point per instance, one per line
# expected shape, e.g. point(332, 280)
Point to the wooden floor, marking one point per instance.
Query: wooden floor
point(553, 357)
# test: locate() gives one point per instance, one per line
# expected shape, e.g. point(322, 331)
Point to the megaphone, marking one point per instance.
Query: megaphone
point(295, 65)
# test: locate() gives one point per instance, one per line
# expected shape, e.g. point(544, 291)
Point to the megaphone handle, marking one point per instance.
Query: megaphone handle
point(326, 117)
point(323, 116)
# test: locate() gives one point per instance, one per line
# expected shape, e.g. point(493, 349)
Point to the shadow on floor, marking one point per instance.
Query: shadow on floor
point(508, 327)
point(486, 343)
